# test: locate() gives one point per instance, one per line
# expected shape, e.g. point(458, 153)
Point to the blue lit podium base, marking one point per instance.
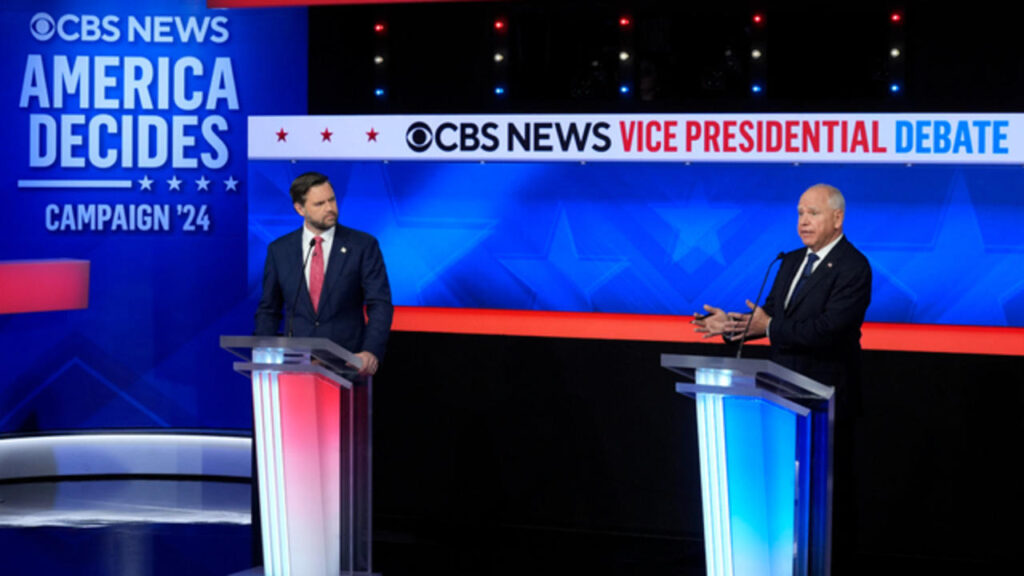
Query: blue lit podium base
point(765, 435)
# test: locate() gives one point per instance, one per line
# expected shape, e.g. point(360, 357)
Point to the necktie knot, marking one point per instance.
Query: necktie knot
point(809, 267)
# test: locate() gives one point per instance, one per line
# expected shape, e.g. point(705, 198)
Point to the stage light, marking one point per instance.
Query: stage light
point(499, 57)
point(500, 25)
point(625, 21)
point(756, 88)
point(623, 56)
point(756, 54)
point(895, 52)
point(624, 89)
point(896, 18)
point(379, 27)
point(758, 18)
point(378, 59)
point(499, 90)
point(379, 92)
point(894, 88)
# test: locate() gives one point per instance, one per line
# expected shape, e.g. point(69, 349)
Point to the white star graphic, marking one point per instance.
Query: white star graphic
point(231, 184)
point(203, 184)
point(146, 183)
point(174, 183)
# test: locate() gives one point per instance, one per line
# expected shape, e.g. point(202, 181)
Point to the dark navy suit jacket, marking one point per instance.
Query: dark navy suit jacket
point(818, 334)
point(355, 276)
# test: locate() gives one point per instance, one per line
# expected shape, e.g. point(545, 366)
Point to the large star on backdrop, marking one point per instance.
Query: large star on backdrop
point(696, 224)
point(950, 280)
point(562, 279)
point(428, 245)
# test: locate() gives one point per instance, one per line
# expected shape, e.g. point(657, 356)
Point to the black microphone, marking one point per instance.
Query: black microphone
point(757, 302)
point(302, 277)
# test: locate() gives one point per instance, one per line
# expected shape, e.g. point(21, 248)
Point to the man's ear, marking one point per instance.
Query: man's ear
point(298, 208)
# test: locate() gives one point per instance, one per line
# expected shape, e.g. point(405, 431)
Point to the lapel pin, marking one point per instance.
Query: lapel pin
point(344, 250)
point(829, 264)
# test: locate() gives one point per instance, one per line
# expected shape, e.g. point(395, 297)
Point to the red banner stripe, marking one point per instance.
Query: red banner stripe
point(43, 285)
point(876, 336)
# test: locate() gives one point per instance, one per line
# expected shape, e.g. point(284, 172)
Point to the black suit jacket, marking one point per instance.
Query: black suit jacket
point(355, 276)
point(818, 334)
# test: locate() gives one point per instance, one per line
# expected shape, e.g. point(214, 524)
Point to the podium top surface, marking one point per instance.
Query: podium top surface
point(297, 350)
point(752, 373)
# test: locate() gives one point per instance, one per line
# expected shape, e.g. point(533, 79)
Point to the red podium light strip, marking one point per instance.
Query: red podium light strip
point(876, 336)
point(43, 285)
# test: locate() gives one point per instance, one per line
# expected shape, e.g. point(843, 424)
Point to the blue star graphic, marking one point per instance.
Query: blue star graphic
point(562, 279)
point(952, 279)
point(696, 224)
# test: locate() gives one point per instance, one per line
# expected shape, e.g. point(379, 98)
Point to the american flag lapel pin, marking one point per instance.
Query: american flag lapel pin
point(344, 249)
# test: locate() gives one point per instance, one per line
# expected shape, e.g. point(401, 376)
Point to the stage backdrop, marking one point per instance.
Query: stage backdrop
point(660, 214)
point(124, 148)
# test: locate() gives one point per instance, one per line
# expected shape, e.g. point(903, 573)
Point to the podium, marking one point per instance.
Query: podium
point(312, 434)
point(765, 435)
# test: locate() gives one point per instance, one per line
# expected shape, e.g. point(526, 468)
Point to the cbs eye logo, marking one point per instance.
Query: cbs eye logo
point(419, 137)
point(42, 26)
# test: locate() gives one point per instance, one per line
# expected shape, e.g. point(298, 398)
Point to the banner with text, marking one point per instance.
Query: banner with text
point(125, 147)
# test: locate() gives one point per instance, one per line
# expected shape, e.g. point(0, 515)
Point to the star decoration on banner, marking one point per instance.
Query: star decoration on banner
point(563, 279)
point(231, 185)
point(326, 135)
point(203, 184)
point(174, 183)
point(282, 135)
point(371, 136)
point(696, 224)
point(146, 183)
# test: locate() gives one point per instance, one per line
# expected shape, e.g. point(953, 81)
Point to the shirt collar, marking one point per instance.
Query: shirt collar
point(828, 248)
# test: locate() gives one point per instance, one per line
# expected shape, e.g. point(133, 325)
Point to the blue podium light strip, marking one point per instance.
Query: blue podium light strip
point(269, 456)
point(714, 477)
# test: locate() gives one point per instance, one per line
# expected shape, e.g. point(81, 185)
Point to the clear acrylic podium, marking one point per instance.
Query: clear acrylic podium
point(312, 429)
point(765, 435)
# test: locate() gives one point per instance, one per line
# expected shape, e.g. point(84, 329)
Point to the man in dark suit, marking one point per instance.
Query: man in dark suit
point(343, 266)
point(328, 273)
point(812, 318)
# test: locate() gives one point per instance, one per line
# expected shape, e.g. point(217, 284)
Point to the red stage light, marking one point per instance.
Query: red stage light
point(758, 18)
point(500, 25)
point(625, 21)
point(378, 27)
point(896, 17)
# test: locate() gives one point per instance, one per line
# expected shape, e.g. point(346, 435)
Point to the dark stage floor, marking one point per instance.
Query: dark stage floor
point(198, 528)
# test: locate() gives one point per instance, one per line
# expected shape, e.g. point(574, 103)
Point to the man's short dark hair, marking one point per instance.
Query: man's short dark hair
point(302, 184)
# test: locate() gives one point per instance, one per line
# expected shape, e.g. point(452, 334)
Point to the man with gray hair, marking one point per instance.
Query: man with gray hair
point(812, 318)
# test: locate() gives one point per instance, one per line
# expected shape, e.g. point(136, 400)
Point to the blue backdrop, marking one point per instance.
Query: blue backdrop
point(658, 238)
point(152, 95)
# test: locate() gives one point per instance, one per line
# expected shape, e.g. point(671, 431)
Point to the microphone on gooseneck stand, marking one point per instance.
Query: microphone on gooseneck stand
point(298, 290)
point(757, 302)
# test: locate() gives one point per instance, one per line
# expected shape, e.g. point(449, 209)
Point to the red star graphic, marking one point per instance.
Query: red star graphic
point(281, 135)
point(326, 135)
point(371, 136)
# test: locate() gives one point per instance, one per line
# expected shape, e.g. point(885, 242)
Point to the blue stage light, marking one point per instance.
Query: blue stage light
point(756, 88)
point(624, 89)
point(894, 88)
point(499, 90)
point(379, 92)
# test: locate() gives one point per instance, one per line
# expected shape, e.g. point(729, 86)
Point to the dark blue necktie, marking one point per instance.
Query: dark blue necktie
point(808, 269)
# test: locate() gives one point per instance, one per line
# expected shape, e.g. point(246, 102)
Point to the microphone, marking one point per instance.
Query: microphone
point(757, 302)
point(302, 274)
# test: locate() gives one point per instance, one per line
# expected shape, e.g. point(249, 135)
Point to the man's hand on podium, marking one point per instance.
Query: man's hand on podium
point(370, 363)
